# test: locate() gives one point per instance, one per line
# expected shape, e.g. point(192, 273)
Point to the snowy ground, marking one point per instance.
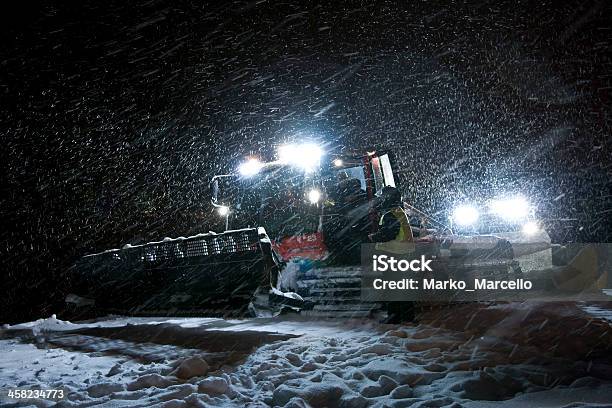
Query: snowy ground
point(513, 355)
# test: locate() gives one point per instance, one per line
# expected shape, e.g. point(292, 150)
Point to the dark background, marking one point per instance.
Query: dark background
point(116, 114)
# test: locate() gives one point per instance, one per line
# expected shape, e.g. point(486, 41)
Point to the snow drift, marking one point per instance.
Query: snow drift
point(512, 355)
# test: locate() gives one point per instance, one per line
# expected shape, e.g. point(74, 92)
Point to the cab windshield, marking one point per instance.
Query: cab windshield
point(277, 198)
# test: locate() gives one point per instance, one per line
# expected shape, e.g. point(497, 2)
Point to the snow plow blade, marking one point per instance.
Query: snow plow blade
point(207, 274)
point(480, 257)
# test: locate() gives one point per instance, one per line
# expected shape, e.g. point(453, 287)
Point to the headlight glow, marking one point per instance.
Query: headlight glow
point(465, 215)
point(250, 167)
point(512, 209)
point(223, 210)
point(306, 156)
point(314, 196)
point(530, 228)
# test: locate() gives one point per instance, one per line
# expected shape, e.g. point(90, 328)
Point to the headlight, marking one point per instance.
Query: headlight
point(513, 209)
point(250, 167)
point(465, 215)
point(314, 196)
point(530, 228)
point(306, 156)
point(223, 210)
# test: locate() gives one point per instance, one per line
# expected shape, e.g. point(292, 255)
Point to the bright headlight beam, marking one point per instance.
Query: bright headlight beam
point(511, 209)
point(250, 167)
point(530, 228)
point(287, 153)
point(306, 156)
point(223, 210)
point(465, 215)
point(314, 196)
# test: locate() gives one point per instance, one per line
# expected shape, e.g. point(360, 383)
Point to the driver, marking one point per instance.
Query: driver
point(394, 232)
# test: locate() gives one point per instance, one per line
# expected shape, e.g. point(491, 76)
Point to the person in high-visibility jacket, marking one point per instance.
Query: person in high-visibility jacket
point(394, 234)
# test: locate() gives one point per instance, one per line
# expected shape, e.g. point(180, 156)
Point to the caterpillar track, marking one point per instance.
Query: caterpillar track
point(335, 292)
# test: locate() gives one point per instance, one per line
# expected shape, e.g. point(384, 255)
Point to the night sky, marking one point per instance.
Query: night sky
point(116, 114)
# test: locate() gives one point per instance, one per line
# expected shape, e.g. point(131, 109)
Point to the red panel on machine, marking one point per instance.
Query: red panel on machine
point(310, 246)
